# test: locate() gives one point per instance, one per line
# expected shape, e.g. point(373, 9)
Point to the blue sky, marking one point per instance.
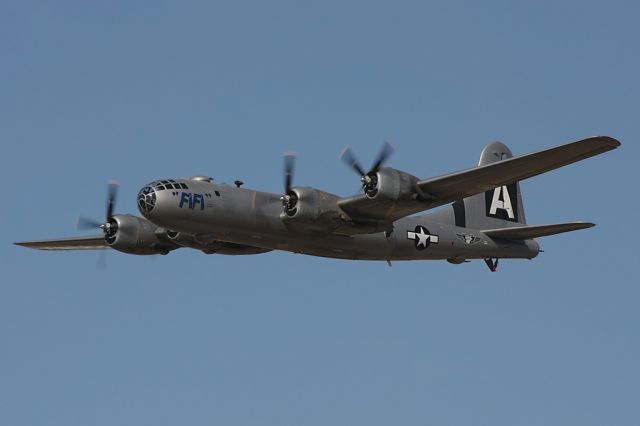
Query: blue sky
point(135, 91)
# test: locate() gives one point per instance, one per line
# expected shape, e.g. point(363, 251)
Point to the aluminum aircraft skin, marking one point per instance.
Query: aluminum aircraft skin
point(483, 215)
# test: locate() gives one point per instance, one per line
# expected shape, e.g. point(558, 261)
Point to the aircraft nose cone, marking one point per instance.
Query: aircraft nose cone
point(147, 199)
point(155, 199)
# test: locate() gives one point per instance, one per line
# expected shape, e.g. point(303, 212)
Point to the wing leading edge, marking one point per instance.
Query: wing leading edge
point(74, 243)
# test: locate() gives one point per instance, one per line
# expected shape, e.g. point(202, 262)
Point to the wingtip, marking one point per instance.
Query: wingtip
point(608, 141)
point(585, 225)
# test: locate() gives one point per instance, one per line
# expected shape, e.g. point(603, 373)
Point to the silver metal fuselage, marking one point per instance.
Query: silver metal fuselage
point(243, 216)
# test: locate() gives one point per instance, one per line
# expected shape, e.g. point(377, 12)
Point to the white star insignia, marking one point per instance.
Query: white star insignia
point(423, 238)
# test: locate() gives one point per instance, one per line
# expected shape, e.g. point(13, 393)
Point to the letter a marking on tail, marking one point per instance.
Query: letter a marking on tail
point(502, 204)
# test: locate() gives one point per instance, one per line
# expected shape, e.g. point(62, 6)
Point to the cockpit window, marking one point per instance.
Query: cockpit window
point(161, 185)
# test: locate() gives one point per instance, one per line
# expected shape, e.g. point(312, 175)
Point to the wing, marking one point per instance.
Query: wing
point(536, 231)
point(459, 185)
point(74, 243)
point(435, 192)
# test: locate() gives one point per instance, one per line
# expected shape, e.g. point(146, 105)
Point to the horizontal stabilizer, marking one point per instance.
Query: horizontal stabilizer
point(73, 243)
point(535, 231)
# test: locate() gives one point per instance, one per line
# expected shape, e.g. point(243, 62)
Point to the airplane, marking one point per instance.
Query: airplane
point(483, 217)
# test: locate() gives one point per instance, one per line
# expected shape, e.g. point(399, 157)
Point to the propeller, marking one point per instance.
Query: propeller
point(289, 198)
point(85, 223)
point(369, 179)
point(112, 193)
point(110, 226)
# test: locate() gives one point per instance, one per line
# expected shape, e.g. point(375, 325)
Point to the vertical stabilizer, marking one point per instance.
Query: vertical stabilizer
point(500, 207)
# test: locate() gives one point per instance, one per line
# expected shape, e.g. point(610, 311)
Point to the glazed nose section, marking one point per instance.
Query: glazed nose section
point(155, 198)
point(147, 199)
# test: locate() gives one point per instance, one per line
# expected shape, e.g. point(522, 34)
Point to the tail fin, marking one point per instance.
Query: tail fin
point(497, 208)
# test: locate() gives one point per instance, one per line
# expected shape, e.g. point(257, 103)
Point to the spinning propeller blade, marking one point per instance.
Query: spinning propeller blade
point(368, 179)
point(86, 223)
point(289, 167)
point(112, 193)
point(289, 198)
point(350, 160)
point(383, 156)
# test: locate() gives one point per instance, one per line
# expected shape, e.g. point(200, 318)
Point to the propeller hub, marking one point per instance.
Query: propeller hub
point(110, 229)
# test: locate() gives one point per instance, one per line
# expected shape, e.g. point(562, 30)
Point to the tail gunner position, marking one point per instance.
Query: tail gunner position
point(483, 217)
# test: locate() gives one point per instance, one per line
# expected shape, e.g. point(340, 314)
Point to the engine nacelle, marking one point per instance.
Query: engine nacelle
point(135, 235)
point(313, 210)
point(392, 186)
point(208, 244)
